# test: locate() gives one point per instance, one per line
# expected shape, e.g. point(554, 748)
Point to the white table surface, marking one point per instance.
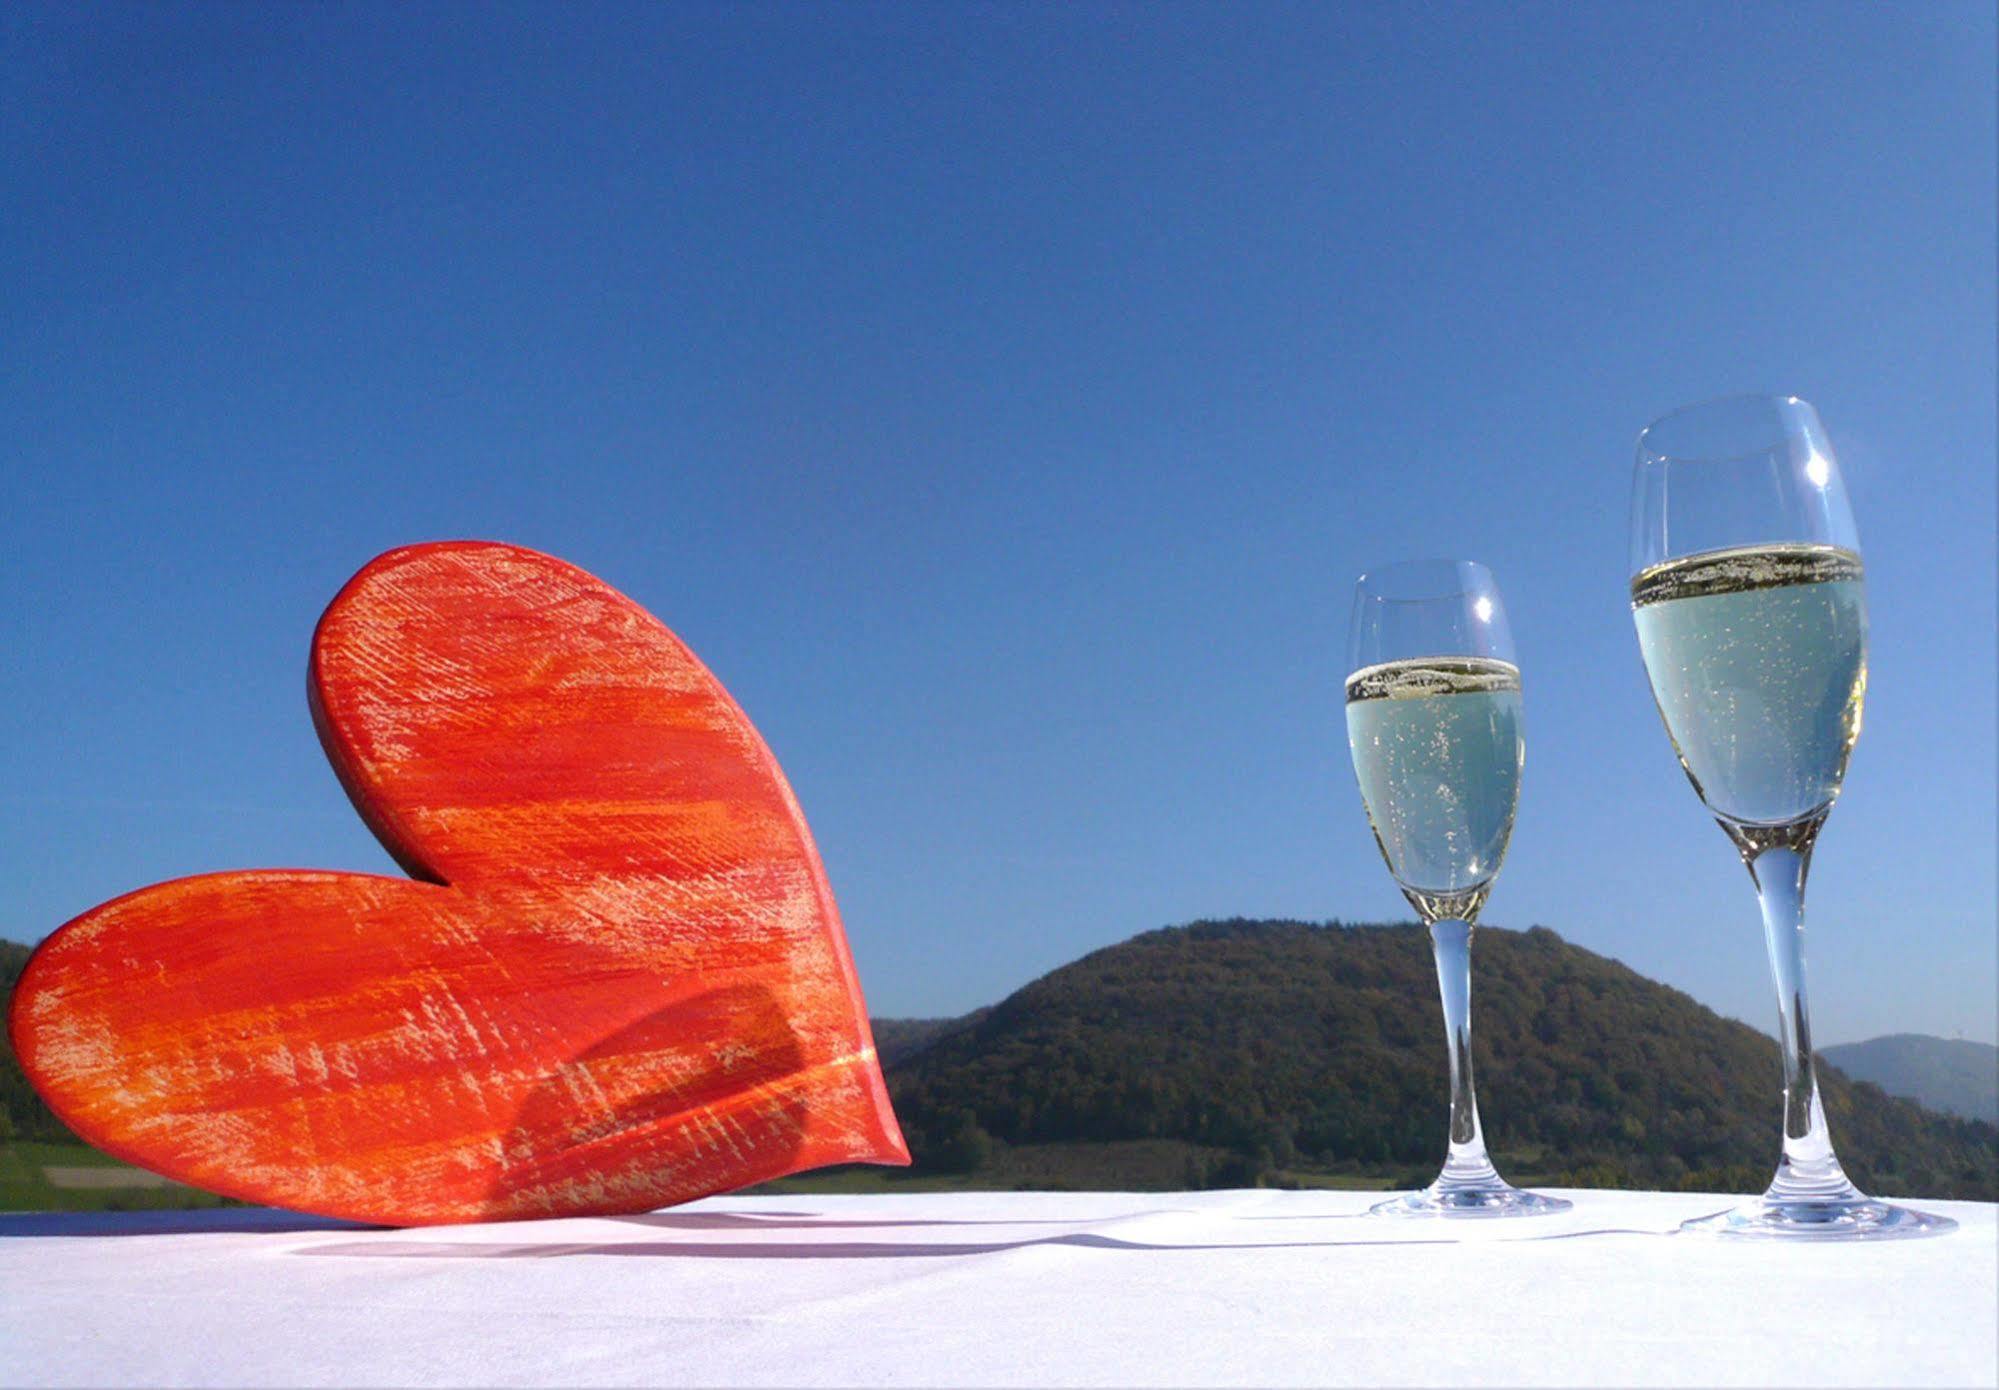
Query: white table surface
point(1202, 1288)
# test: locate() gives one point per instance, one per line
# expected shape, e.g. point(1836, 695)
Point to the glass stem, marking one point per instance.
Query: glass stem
point(1468, 1165)
point(1809, 1169)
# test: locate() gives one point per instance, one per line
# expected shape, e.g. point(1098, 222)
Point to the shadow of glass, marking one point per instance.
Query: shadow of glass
point(864, 1250)
point(803, 1221)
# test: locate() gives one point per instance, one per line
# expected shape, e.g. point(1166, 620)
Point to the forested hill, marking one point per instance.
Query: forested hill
point(1300, 1046)
point(22, 1114)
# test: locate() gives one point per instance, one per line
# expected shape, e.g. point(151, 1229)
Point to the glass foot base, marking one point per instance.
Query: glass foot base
point(1842, 1218)
point(1495, 1199)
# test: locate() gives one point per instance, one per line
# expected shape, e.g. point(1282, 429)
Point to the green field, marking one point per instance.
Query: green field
point(1144, 1165)
point(75, 1177)
point(870, 1180)
point(38, 1176)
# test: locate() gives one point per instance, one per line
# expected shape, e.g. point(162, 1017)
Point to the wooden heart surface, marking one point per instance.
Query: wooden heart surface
point(616, 979)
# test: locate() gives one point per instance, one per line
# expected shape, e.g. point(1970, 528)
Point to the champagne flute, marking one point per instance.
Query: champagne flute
point(1749, 596)
point(1433, 721)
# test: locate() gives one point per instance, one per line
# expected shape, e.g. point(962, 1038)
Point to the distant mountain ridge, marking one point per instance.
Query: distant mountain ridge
point(899, 1039)
point(1301, 1046)
point(1947, 1074)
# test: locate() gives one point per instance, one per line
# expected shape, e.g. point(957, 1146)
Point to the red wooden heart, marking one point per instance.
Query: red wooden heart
point(620, 981)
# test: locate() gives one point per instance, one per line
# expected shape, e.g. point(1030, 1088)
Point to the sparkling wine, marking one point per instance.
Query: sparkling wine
point(1437, 748)
point(1758, 660)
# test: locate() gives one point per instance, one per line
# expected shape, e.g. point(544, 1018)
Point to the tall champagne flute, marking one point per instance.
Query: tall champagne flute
point(1749, 596)
point(1433, 722)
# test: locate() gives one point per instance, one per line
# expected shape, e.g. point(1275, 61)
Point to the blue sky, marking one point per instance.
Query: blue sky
point(1001, 399)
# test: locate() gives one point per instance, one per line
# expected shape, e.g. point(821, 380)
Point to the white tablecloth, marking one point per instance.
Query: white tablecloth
point(1209, 1288)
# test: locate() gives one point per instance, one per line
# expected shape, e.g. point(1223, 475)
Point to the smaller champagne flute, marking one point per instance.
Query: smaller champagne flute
point(1433, 722)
